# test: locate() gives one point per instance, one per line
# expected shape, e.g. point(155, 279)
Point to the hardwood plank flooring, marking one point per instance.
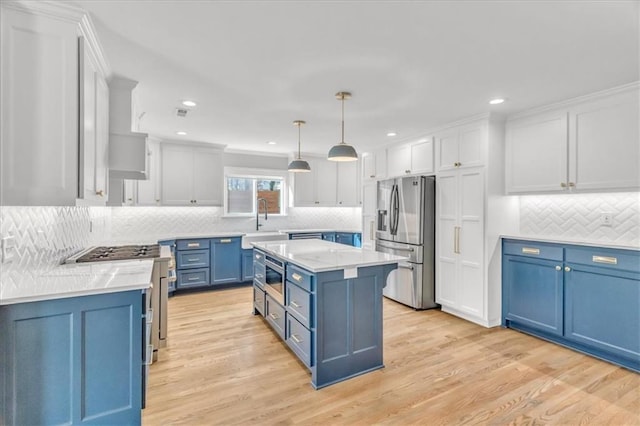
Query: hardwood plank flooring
point(225, 366)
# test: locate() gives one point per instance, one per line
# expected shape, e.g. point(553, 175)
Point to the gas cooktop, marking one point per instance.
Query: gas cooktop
point(98, 254)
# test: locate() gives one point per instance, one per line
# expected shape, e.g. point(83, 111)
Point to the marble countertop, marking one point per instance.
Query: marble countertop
point(304, 231)
point(321, 256)
point(81, 279)
point(577, 241)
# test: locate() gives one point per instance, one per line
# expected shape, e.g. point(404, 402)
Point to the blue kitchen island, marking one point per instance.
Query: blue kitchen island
point(324, 300)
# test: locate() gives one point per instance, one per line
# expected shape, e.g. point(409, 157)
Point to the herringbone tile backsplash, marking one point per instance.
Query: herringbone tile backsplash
point(577, 216)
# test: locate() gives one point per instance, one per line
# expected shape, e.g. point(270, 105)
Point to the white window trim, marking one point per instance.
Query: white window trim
point(265, 174)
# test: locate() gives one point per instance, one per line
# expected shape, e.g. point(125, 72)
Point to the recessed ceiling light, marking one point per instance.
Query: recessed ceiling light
point(422, 140)
point(189, 103)
point(496, 101)
point(271, 142)
point(181, 133)
point(392, 134)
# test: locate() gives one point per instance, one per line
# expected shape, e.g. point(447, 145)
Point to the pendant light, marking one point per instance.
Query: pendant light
point(343, 151)
point(299, 165)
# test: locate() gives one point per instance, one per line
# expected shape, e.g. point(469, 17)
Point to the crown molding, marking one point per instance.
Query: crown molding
point(89, 32)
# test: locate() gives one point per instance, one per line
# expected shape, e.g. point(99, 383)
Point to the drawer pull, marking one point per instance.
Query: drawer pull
point(605, 259)
point(259, 276)
point(296, 277)
point(295, 338)
point(567, 269)
point(558, 268)
point(258, 257)
point(193, 279)
point(274, 316)
point(529, 250)
point(226, 240)
point(193, 259)
point(295, 304)
point(193, 245)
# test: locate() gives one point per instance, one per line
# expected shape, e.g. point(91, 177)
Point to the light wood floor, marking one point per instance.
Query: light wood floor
point(225, 366)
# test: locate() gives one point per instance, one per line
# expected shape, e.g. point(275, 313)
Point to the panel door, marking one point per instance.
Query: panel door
point(348, 184)
point(39, 162)
point(304, 186)
point(602, 310)
point(177, 175)
point(369, 191)
point(148, 191)
point(471, 242)
point(446, 150)
point(247, 265)
point(471, 145)
point(369, 232)
point(102, 139)
point(325, 182)
point(536, 153)
point(446, 256)
point(381, 164)
point(368, 167)
point(226, 260)
point(422, 157)
point(604, 143)
point(399, 161)
point(207, 177)
point(88, 133)
point(533, 293)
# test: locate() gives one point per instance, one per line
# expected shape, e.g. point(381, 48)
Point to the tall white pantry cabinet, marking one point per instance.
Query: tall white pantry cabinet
point(471, 213)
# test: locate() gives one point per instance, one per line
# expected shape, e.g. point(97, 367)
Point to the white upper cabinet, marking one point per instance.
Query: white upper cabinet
point(460, 147)
point(588, 144)
point(348, 184)
point(329, 184)
point(148, 191)
point(412, 158)
point(374, 165)
point(191, 175)
point(40, 82)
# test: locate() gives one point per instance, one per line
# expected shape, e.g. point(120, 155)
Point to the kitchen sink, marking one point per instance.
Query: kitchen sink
point(247, 239)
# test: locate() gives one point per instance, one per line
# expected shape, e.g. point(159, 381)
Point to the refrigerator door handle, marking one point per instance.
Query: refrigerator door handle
point(391, 210)
point(396, 210)
point(396, 248)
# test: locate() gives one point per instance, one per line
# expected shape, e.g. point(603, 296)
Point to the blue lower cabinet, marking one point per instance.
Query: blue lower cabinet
point(172, 246)
point(247, 265)
point(226, 260)
point(299, 339)
point(329, 236)
point(275, 315)
point(258, 300)
point(586, 298)
point(344, 238)
point(192, 278)
point(72, 361)
point(357, 239)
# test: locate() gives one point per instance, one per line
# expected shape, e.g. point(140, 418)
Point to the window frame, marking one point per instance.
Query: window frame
point(255, 174)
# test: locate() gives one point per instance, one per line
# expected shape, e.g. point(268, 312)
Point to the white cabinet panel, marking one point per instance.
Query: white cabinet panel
point(447, 149)
point(148, 191)
point(207, 177)
point(177, 175)
point(304, 193)
point(102, 138)
point(369, 194)
point(348, 184)
point(328, 184)
point(325, 182)
point(368, 233)
point(422, 157)
point(399, 160)
point(368, 167)
point(461, 147)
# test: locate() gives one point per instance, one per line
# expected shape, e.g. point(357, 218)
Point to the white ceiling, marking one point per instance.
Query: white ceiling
point(255, 66)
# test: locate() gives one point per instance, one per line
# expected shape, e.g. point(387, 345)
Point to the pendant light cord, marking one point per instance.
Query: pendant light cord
point(342, 118)
point(299, 124)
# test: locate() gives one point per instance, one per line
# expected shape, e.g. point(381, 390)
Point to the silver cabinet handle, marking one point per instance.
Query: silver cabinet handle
point(259, 276)
point(295, 304)
point(192, 259)
point(563, 185)
point(572, 185)
point(605, 259)
point(226, 240)
point(274, 316)
point(396, 248)
point(529, 250)
point(456, 240)
point(558, 268)
point(295, 338)
point(567, 269)
point(258, 257)
point(296, 277)
point(193, 245)
point(193, 279)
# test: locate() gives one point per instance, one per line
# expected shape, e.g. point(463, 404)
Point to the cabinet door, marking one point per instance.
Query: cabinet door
point(325, 182)
point(226, 260)
point(399, 161)
point(207, 177)
point(247, 265)
point(422, 157)
point(471, 145)
point(102, 139)
point(446, 244)
point(88, 95)
point(368, 167)
point(604, 143)
point(304, 186)
point(602, 310)
point(348, 184)
point(536, 153)
point(368, 232)
point(447, 150)
point(177, 175)
point(381, 164)
point(148, 191)
point(369, 194)
point(39, 162)
point(533, 293)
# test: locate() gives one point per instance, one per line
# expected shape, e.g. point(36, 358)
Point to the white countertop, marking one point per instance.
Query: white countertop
point(321, 256)
point(306, 231)
point(81, 279)
point(577, 241)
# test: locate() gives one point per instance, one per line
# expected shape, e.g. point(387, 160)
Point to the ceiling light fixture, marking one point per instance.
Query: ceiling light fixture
point(496, 101)
point(342, 151)
point(299, 165)
point(271, 142)
point(391, 134)
point(189, 103)
point(181, 133)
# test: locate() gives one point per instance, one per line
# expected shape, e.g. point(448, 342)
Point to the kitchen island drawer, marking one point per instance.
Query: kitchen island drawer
point(258, 299)
point(533, 249)
point(258, 257)
point(300, 277)
point(193, 259)
point(195, 244)
point(193, 278)
point(621, 260)
point(275, 315)
point(299, 303)
point(299, 340)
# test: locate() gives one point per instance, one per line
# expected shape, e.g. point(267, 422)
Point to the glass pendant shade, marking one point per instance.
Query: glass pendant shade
point(342, 151)
point(299, 165)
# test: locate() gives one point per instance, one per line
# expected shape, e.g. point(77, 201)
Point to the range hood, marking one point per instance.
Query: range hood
point(127, 149)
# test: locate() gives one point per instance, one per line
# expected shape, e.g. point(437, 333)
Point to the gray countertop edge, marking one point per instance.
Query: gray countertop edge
point(573, 241)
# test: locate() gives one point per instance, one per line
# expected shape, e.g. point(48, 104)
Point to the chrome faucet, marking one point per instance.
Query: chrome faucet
point(258, 224)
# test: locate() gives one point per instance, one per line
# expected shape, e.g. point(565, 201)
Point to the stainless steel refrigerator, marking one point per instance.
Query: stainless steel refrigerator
point(405, 225)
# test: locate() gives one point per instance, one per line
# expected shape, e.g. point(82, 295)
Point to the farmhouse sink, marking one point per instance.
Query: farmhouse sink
point(247, 239)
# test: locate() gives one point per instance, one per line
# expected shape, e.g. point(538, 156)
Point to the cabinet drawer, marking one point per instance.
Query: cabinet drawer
point(300, 277)
point(193, 244)
point(226, 240)
point(275, 315)
point(258, 299)
point(533, 249)
point(193, 278)
point(622, 260)
point(299, 303)
point(299, 340)
point(193, 259)
point(259, 272)
point(258, 257)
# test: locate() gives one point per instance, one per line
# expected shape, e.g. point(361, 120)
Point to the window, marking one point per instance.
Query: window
point(243, 188)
